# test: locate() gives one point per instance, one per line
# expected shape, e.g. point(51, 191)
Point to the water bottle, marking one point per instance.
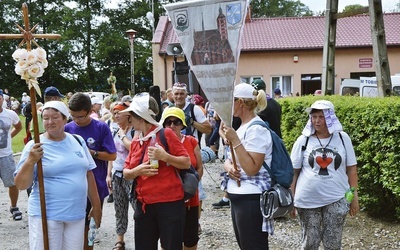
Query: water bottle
point(92, 232)
point(349, 195)
point(153, 143)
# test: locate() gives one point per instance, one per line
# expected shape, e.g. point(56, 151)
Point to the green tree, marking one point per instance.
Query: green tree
point(280, 8)
point(352, 8)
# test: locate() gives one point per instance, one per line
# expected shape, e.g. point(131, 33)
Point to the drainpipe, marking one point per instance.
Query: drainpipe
point(165, 72)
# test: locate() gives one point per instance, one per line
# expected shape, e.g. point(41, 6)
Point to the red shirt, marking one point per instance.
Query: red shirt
point(166, 186)
point(190, 143)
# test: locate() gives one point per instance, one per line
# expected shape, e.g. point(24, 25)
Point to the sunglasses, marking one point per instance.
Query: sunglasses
point(175, 122)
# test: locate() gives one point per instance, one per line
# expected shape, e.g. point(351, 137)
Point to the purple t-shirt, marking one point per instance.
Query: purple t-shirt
point(98, 137)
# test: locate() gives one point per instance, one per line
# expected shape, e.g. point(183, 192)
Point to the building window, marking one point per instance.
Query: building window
point(284, 83)
point(249, 79)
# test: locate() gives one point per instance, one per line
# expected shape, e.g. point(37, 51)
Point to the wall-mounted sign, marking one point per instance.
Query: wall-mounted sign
point(365, 63)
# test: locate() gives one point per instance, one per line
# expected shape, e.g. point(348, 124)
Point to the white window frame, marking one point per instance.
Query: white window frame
point(249, 79)
point(287, 86)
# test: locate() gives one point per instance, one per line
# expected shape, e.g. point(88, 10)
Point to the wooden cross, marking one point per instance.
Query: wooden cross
point(27, 34)
point(28, 38)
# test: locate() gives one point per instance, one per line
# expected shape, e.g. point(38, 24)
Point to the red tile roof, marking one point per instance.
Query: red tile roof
point(294, 33)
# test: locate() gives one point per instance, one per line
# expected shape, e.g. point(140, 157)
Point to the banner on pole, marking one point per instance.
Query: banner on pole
point(210, 33)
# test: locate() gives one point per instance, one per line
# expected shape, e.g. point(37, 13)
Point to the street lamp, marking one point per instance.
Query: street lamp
point(131, 33)
point(150, 17)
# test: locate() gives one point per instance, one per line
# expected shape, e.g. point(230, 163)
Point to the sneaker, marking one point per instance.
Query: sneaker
point(17, 215)
point(221, 204)
point(110, 198)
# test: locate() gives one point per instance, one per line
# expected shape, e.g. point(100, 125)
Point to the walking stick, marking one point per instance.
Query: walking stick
point(234, 161)
point(40, 171)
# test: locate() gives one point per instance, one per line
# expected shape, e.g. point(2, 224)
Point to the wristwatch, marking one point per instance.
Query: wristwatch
point(95, 154)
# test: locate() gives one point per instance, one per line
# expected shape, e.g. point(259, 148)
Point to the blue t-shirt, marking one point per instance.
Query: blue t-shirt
point(65, 165)
point(98, 137)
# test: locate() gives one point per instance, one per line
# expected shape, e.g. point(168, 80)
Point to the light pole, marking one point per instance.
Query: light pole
point(131, 33)
point(150, 17)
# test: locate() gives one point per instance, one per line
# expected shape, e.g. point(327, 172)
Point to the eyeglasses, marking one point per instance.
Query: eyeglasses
point(81, 117)
point(169, 122)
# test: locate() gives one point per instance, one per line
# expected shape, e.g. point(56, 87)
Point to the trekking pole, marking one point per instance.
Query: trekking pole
point(234, 161)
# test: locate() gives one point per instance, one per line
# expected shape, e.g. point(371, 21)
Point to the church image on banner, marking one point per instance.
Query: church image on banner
point(212, 46)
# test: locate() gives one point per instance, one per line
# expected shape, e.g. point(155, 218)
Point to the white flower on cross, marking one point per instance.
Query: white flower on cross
point(30, 64)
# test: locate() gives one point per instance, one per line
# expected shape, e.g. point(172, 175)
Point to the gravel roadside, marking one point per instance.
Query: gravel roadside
point(360, 232)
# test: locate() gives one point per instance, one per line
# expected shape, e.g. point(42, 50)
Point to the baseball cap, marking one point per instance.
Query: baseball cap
point(24, 93)
point(258, 84)
point(96, 100)
point(60, 106)
point(244, 90)
point(277, 91)
point(126, 98)
point(321, 105)
point(52, 91)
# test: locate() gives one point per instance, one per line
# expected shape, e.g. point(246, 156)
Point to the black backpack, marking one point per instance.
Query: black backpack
point(189, 118)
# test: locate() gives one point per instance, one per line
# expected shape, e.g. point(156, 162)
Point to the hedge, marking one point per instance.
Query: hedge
point(374, 127)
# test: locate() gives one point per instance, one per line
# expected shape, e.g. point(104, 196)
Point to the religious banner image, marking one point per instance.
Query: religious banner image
point(209, 33)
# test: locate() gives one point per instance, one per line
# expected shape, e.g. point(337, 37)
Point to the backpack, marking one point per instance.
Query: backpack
point(189, 177)
point(281, 169)
point(189, 115)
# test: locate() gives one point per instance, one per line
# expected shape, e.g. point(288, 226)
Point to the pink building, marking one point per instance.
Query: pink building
point(287, 52)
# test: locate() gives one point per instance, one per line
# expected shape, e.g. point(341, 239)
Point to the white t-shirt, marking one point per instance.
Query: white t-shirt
point(322, 182)
point(258, 140)
point(8, 118)
point(6, 98)
point(25, 98)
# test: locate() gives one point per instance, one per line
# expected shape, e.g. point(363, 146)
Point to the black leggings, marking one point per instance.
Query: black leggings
point(247, 221)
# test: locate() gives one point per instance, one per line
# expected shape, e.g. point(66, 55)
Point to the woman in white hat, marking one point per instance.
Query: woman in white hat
point(251, 150)
point(325, 168)
point(159, 207)
point(68, 180)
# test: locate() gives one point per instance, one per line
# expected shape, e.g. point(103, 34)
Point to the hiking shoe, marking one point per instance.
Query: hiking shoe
point(221, 204)
point(110, 198)
point(17, 215)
